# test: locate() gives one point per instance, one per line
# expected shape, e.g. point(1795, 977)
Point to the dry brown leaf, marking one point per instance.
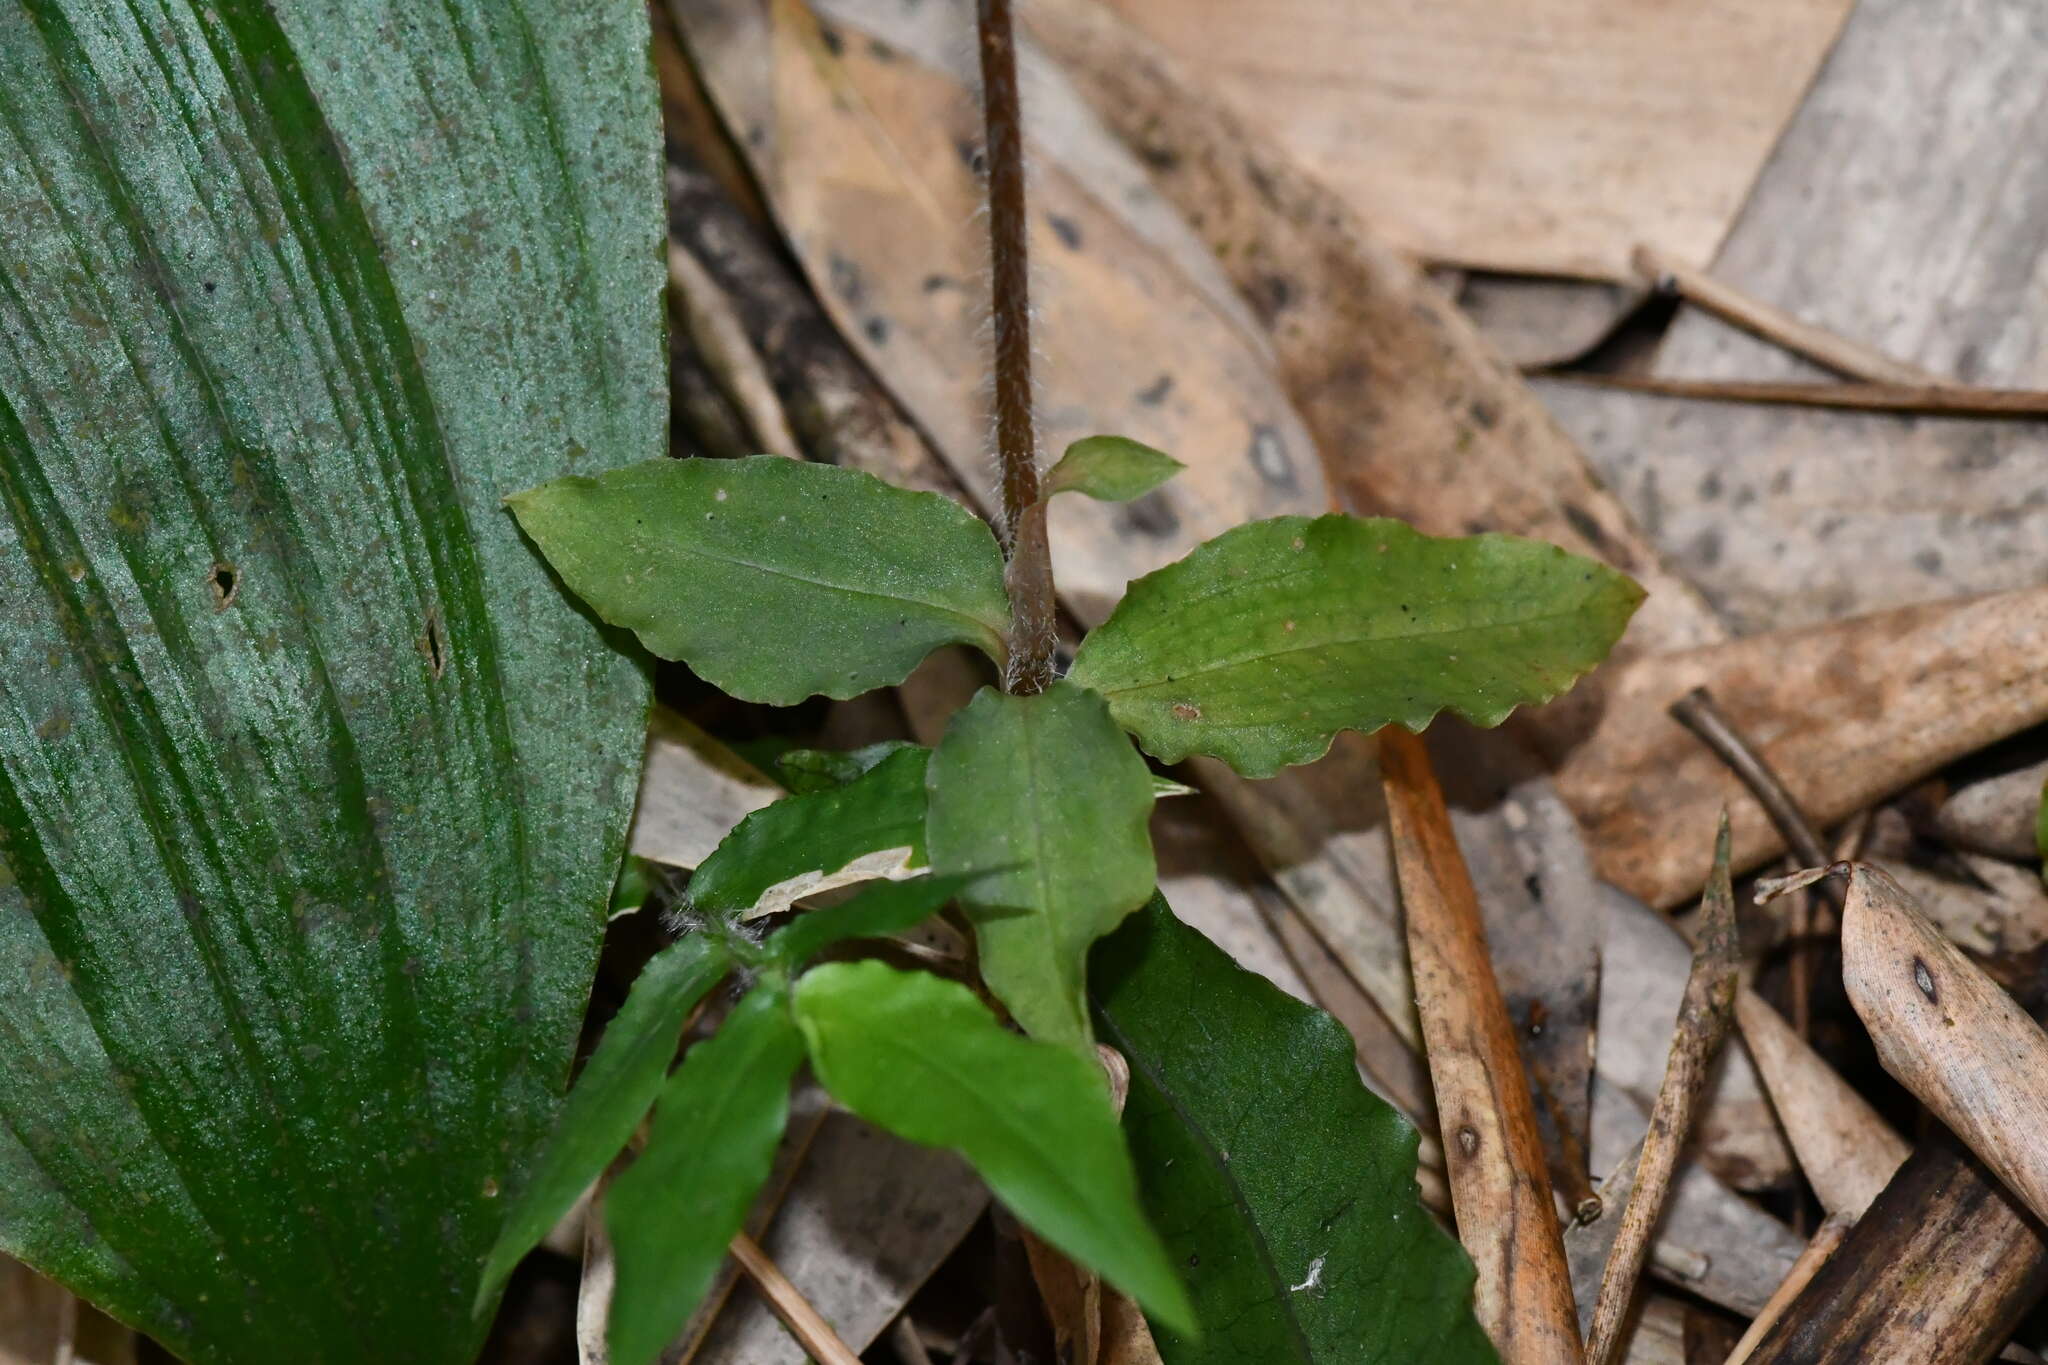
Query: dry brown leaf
point(692, 790)
point(1541, 135)
point(1846, 713)
point(1996, 815)
point(1948, 1033)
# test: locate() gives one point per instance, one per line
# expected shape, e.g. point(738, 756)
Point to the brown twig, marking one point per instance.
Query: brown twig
point(1703, 1019)
point(804, 1322)
point(1948, 400)
point(1775, 325)
point(1826, 1239)
point(1029, 574)
point(1948, 1032)
point(1500, 1188)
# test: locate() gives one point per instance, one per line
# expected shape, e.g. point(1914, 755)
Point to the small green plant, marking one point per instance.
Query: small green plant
point(777, 580)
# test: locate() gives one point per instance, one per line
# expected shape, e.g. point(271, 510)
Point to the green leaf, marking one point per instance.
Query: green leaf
point(873, 827)
point(774, 579)
point(878, 912)
point(1262, 644)
point(708, 1153)
point(1284, 1186)
point(1049, 793)
point(1111, 468)
point(617, 1087)
point(815, 770)
point(312, 781)
point(923, 1058)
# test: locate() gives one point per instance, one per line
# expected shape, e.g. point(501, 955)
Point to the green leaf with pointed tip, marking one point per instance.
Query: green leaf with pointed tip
point(1048, 791)
point(814, 770)
point(923, 1058)
point(708, 1152)
point(614, 1093)
point(878, 912)
point(1261, 645)
point(873, 827)
point(312, 781)
point(1111, 468)
point(774, 579)
point(1284, 1186)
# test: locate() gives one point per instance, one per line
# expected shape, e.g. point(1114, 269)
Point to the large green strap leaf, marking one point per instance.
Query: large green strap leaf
point(872, 827)
point(1261, 645)
point(1048, 800)
point(1284, 1186)
point(311, 785)
point(774, 579)
point(708, 1152)
point(922, 1057)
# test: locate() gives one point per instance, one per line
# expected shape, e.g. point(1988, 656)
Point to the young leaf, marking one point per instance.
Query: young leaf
point(814, 770)
point(1111, 468)
point(873, 827)
point(674, 1209)
point(923, 1058)
point(774, 579)
point(610, 1098)
point(1284, 1186)
point(1262, 644)
point(311, 785)
point(879, 911)
point(1048, 791)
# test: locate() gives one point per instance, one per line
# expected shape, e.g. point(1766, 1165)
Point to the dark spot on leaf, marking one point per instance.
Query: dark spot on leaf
point(1066, 229)
point(1928, 560)
point(877, 330)
point(1924, 979)
point(208, 285)
point(1185, 711)
point(225, 584)
point(1582, 521)
point(1151, 515)
point(1482, 414)
point(1269, 296)
point(834, 43)
point(1468, 1141)
point(1534, 885)
point(1153, 394)
point(1157, 157)
point(846, 280)
point(971, 155)
point(880, 50)
point(934, 283)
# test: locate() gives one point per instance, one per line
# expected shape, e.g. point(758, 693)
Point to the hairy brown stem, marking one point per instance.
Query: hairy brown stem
point(1029, 575)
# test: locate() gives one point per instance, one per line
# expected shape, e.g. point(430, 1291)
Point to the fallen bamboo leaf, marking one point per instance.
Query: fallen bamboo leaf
point(1832, 709)
point(1703, 1019)
point(803, 1320)
point(1499, 1187)
point(1997, 815)
point(1948, 1033)
point(1552, 165)
point(1845, 1148)
point(1775, 325)
point(693, 790)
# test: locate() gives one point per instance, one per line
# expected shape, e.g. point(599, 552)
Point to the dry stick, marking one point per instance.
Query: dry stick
point(1775, 325)
point(1948, 400)
point(1029, 572)
point(600, 1276)
point(804, 1322)
point(714, 328)
point(1500, 1189)
point(1948, 1033)
point(1829, 1236)
point(1697, 712)
point(1703, 1018)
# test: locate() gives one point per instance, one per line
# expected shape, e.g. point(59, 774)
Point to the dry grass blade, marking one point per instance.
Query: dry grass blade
point(805, 1323)
point(594, 1293)
point(1499, 1188)
point(1948, 1032)
point(1703, 1021)
point(1908, 400)
point(714, 328)
point(1775, 325)
point(1825, 1240)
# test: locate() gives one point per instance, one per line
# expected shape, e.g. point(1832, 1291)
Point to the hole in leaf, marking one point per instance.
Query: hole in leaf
point(224, 583)
point(433, 646)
